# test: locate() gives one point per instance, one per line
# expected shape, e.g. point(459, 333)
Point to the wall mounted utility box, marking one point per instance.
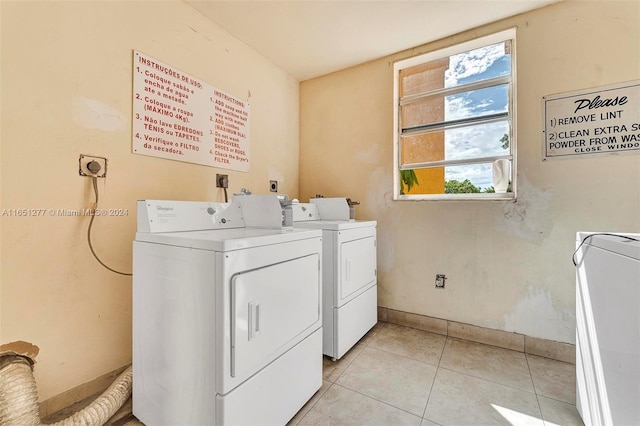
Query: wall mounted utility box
point(87, 170)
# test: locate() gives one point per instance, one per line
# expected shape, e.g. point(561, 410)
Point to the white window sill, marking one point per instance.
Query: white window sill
point(509, 196)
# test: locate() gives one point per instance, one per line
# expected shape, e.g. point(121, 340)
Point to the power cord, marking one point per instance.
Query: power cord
point(222, 181)
point(584, 240)
point(93, 216)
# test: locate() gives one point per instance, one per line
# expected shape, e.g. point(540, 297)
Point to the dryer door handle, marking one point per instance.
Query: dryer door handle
point(254, 319)
point(347, 270)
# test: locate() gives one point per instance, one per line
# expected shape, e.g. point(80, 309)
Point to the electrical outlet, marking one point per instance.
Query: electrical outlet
point(87, 166)
point(440, 279)
point(273, 185)
point(222, 181)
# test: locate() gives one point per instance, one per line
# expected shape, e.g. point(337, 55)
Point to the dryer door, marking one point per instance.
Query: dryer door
point(271, 306)
point(357, 260)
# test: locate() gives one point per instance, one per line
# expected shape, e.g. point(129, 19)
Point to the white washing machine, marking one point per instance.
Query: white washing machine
point(226, 318)
point(608, 328)
point(349, 271)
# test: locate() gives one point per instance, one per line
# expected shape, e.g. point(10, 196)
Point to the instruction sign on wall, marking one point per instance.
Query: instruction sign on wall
point(604, 120)
point(179, 117)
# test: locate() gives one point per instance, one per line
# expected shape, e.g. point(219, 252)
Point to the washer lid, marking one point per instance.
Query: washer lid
point(615, 244)
point(228, 239)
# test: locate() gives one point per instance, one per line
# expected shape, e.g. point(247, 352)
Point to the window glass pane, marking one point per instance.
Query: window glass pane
point(479, 64)
point(423, 78)
point(481, 140)
point(422, 148)
point(425, 111)
point(422, 181)
point(462, 179)
point(476, 141)
point(468, 67)
point(475, 103)
point(472, 178)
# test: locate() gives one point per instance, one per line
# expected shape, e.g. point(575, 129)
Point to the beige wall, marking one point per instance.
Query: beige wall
point(508, 264)
point(56, 55)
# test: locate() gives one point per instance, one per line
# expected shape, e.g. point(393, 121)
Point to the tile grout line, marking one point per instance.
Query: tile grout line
point(535, 392)
point(402, 356)
point(315, 403)
point(377, 400)
point(333, 382)
point(367, 345)
point(424, 412)
point(408, 357)
point(487, 380)
point(475, 375)
point(346, 366)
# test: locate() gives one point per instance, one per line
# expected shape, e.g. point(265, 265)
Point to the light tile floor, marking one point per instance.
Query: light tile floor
point(402, 376)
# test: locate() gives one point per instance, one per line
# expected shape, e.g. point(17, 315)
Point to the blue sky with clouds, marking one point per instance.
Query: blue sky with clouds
point(479, 140)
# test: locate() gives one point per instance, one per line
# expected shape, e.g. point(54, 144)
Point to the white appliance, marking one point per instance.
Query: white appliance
point(608, 328)
point(349, 271)
point(226, 318)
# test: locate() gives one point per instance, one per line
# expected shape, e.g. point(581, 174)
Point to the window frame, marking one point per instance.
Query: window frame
point(509, 34)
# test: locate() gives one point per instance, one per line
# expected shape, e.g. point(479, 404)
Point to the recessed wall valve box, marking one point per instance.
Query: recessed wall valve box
point(440, 279)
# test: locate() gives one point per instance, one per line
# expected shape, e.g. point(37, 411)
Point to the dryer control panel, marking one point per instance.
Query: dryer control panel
point(304, 212)
point(176, 216)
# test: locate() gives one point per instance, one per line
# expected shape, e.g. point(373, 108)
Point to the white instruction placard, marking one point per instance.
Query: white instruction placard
point(604, 120)
point(179, 117)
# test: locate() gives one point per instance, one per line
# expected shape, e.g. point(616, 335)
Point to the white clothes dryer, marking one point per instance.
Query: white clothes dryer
point(608, 328)
point(349, 271)
point(226, 319)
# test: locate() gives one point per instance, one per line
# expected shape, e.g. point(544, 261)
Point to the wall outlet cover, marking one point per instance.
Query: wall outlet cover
point(83, 169)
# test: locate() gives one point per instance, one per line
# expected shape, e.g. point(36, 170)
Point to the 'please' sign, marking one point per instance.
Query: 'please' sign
point(604, 120)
